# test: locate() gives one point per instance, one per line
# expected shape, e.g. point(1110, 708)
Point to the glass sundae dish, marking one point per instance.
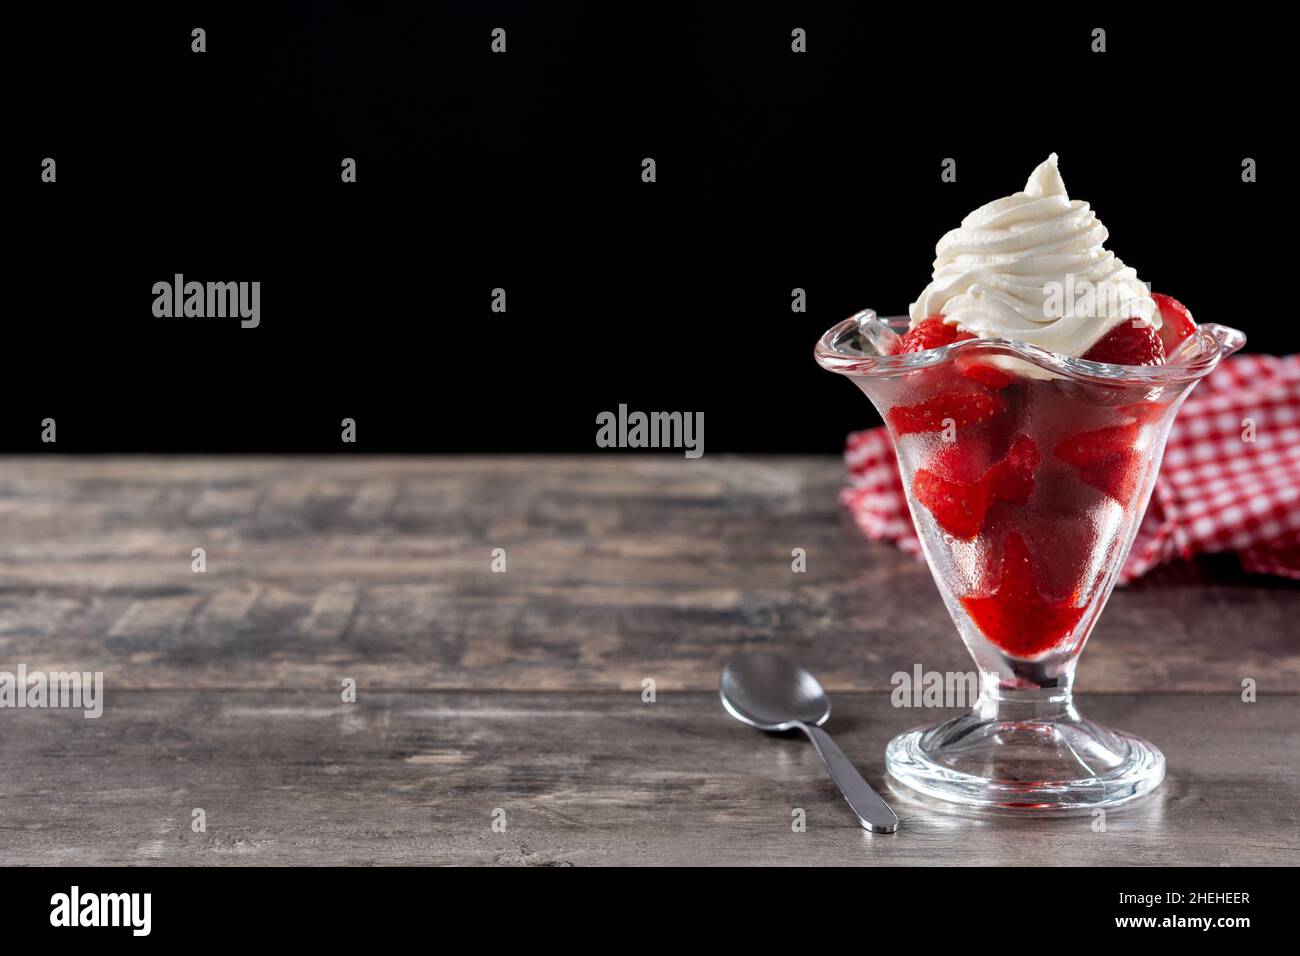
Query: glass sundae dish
point(1029, 397)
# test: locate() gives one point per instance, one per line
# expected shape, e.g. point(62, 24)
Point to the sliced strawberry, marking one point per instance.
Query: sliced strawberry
point(964, 406)
point(1176, 321)
point(1117, 477)
point(1098, 444)
point(1063, 546)
point(1016, 617)
point(1012, 479)
point(1144, 412)
point(932, 333)
point(957, 489)
point(965, 459)
point(1132, 342)
point(980, 371)
point(1107, 458)
point(958, 506)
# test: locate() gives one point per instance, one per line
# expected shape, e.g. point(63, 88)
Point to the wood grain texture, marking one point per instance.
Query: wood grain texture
point(592, 778)
point(521, 690)
point(619, 568)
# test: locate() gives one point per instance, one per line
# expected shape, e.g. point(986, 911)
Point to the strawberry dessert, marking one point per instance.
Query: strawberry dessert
point(1028, 395)
point(1020, 484)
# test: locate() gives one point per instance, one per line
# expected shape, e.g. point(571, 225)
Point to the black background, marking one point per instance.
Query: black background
point(775, 170)
point(587, 907)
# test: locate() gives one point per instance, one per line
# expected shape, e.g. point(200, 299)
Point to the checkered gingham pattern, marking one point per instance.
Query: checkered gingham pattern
point(1215, 491)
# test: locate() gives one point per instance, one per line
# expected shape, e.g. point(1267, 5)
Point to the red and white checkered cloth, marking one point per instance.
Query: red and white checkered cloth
point(1214, 492)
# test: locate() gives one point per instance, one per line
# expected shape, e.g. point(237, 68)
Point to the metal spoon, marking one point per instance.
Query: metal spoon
point(770, 693)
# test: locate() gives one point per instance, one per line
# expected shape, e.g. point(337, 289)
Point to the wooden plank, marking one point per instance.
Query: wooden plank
point(603, 778)
point(619, 567)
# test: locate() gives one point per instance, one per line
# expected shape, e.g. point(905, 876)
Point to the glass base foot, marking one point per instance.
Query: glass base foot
point(1064, 762)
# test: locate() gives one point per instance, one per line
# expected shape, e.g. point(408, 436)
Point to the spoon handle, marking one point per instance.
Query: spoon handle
point(872, 812)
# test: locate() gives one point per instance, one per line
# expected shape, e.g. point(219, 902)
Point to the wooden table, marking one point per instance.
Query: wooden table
point(521, 692)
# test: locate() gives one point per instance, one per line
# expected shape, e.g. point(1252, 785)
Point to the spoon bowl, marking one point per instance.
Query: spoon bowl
point(771, 693)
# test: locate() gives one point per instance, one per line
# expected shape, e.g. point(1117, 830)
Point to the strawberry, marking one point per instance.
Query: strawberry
point(1132, 342)
point(932, 333)
point(1098, 444)
point(958, 496)
point(965, 459)
point(987, 375)
point(1061, 545)
point(1176, 321)
point(1107, 458)
point(1116, 476)
point(964, 406)
point(1016, 617)
point(1147, 413)
point(1012, 479)
point(958, 506)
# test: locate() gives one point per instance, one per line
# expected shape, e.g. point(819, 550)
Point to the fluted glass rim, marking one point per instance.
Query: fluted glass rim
point(1195, 358)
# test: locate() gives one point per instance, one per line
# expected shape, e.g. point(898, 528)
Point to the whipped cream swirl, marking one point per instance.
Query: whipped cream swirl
point(1032, 267)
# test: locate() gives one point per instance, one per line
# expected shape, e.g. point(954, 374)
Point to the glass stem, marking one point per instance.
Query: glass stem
point(997, 701)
